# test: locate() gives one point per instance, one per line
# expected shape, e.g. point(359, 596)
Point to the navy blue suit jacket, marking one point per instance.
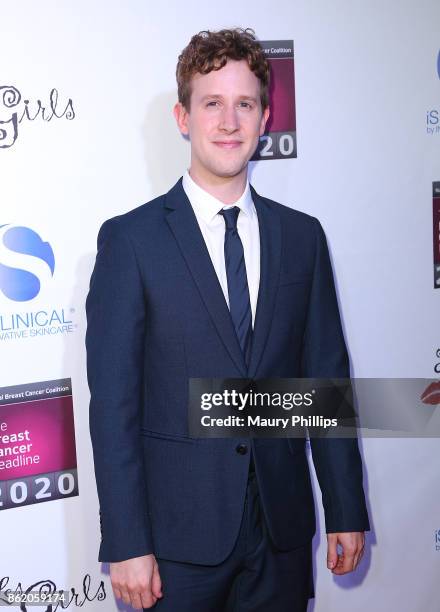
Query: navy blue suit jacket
point(156, 317)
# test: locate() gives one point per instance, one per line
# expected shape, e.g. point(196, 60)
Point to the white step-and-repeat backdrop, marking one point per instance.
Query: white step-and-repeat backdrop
point(87, 132)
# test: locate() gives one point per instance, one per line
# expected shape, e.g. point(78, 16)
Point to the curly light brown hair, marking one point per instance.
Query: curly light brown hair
point(208, 51)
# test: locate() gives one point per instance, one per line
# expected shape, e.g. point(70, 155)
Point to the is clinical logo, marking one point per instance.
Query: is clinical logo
point(25, 262)
point(14, 110)
point(433, 115)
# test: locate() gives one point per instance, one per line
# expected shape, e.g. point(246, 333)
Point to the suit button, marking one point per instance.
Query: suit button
point(241, 449)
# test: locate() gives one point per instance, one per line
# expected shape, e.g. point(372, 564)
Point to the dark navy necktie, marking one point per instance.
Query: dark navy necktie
point(238, 290)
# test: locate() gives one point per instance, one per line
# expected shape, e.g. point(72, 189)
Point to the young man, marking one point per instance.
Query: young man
point(213, 280)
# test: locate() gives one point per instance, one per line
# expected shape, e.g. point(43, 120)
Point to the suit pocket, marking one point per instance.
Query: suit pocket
point(160, 435)
point(291, 279)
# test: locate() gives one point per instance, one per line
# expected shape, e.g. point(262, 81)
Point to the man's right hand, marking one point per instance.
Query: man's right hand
point(137, 581)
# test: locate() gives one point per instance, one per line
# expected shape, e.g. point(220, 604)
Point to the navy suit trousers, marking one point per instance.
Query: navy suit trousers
point(255, 577)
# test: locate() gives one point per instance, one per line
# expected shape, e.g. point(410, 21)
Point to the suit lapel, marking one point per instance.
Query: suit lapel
point(270, 258)
point(183, 224)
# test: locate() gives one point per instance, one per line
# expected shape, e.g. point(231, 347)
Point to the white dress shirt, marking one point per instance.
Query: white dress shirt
point(212, 225)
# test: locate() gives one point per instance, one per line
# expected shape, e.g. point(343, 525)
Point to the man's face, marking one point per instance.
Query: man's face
point(225, 120)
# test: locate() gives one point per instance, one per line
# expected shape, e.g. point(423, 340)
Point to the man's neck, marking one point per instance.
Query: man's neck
point(226, 189)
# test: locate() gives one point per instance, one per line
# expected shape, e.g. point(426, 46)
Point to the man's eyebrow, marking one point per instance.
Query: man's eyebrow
point(219, 96)
point(248, 98)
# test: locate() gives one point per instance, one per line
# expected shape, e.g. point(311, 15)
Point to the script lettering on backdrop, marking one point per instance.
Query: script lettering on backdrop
point(14, 110)
point(47, 587)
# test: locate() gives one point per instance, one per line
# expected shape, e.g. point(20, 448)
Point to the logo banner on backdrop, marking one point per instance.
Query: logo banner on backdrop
point(433, 114)
point(27, 269)
point(37, 443)
point(279, 139)
point(14, 109)
point(46, 593)
point(26, 261)
point(312, 407)
point(437, 540)
point(436, 231)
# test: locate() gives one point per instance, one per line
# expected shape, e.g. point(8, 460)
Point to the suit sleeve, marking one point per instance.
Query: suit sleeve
point(115, 310)
point(337, 461)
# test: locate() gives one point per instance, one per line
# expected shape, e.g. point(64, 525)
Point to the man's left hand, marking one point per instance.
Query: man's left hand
point(352, 544)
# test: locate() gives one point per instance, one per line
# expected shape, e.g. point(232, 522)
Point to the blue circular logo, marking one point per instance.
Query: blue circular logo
point(25, 261)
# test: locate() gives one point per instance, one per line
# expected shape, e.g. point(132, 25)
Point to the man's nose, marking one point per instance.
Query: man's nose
point(229, 119)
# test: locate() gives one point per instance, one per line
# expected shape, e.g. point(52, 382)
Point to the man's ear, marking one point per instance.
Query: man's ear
point(181, 115)
point(264, 119)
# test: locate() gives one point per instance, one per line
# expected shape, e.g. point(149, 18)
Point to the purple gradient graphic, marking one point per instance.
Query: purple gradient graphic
point(51, 433)
point(282, 96)
point(436, 228)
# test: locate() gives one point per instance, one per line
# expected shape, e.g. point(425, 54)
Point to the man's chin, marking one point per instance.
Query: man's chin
point(229, 172)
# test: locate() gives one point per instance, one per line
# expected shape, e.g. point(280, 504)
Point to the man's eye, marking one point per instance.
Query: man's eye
point(246, 104)
point(212, 103)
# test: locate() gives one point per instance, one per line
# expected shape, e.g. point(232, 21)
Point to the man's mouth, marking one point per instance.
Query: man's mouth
point(227, 144)
point(431, 395)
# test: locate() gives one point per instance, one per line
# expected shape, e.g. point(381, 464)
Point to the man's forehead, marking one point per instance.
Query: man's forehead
point(230, 74)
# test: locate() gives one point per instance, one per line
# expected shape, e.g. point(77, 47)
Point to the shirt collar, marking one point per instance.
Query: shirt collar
point(207, 206)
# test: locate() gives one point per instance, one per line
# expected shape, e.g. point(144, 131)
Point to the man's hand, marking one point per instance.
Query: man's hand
point(137, 581)
point(352, 544)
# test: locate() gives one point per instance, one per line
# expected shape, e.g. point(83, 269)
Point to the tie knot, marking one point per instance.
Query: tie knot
point(230, 215)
